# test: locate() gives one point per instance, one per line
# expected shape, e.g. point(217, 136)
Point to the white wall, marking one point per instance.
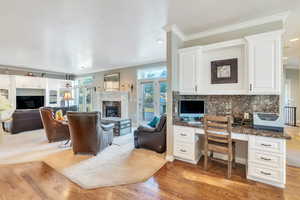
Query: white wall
point(173, 44)
point(293, 75)
point(127, 76)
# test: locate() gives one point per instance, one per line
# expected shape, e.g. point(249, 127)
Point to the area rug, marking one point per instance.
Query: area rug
point(118, 164)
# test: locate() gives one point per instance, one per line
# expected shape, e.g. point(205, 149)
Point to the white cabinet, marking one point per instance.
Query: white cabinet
point(264, 62)
point(52, 92)
point(4, 82)
point(259, 66)
point(189, 66)
point(30, 82)
point(267, 160)
point(186, 144)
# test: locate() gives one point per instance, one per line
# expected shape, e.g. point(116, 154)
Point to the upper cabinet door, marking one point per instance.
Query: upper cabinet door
point(4, 82)
point(264, 60)
point(188, 63)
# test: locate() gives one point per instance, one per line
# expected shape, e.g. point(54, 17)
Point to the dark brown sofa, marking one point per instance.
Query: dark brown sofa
point(55, 130)
point(152, 138)
point(28, 120)
point(88, 135)
point(24, 120)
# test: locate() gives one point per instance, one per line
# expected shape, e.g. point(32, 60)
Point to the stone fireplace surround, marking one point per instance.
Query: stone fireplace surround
point(112, 97)
point(111, 108)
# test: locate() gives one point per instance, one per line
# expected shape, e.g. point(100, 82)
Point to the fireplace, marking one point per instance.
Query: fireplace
point(111, 109)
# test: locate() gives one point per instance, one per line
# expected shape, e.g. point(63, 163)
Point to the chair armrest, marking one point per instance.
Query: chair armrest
point(146, 129)
point(107, 127)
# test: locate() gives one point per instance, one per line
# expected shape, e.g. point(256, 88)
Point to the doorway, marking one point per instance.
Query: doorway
point(152, 95)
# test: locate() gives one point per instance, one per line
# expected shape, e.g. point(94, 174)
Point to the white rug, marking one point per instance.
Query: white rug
point(117, 165)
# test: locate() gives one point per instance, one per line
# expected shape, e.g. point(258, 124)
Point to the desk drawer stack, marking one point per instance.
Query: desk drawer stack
point(186, 144)
point(267, 160)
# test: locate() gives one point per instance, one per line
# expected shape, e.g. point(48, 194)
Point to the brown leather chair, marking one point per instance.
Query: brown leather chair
point(152, 138)
point(55, 130)
point(88, 135)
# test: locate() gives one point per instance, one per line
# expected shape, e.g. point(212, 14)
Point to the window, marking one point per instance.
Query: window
point(84, 81)
point(153, 73)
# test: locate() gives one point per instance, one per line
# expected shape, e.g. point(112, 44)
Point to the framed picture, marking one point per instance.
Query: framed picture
point(112, 82)
point(224, 71)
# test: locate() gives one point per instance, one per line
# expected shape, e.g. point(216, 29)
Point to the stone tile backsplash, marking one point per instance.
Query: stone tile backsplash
point(234, 105)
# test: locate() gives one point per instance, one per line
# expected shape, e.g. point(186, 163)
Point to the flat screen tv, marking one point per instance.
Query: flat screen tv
point(30, 102)
point(191, 108)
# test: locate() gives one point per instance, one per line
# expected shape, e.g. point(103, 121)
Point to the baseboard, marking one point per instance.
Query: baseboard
point(194, 162)
point(280, 185)
point(239, 160)
point(169, 158)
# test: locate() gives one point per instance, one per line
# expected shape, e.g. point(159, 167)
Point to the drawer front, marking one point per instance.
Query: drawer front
point(268, 159)
point(183, 150)
point(267, 144)
point(266, 173)
point(184, 134)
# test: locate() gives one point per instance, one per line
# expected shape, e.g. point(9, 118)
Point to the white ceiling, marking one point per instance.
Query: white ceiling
point(64, 35)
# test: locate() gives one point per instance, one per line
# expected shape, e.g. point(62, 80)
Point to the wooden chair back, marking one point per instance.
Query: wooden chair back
point(218, 139)
point(218, 128)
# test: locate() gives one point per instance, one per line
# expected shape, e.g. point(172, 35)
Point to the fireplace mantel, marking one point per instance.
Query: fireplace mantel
point(112, 96)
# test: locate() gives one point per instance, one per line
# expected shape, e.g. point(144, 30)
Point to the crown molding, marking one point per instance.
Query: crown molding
point(259, 21)
point(254, 22)
point(146, 63)
point(296, 67)
point(174, 28)
point(28, 69)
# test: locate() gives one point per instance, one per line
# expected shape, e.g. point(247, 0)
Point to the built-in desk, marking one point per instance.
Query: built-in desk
point(266, 160)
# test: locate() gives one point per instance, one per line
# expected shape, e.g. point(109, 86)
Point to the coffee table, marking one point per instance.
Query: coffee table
point(123, 126)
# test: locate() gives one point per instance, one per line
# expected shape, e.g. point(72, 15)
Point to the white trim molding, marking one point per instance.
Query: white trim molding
point(174, 28)
point(246, 24)
point(170, 158)
point(296, 67)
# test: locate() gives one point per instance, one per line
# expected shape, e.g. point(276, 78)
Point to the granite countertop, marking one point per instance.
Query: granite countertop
point(242, 130)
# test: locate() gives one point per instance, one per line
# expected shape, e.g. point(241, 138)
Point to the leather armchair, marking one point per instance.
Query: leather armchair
point(88, 135)
point(55, 130)
point(152, 138)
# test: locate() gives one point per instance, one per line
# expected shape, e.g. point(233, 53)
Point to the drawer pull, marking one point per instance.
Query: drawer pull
point(183, 134)
point(182, 150)
point(266, 145)
point(266, 159)
point(265, 173)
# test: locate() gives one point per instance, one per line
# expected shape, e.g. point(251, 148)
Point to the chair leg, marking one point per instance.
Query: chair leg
point(229, 167)
point(233, 156)
point(205, 160)
point(211, 154)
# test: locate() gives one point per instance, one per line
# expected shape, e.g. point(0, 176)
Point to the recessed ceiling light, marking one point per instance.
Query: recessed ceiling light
point(294, 39)
point(159, 41)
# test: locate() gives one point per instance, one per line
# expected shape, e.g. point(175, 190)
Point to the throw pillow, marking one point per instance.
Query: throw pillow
point(59, 115)
point(153, 122)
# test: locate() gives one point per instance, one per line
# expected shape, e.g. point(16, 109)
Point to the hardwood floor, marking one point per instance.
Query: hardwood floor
point(175, 180)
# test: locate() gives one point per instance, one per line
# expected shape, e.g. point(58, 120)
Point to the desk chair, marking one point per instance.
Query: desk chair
point(218, 139)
